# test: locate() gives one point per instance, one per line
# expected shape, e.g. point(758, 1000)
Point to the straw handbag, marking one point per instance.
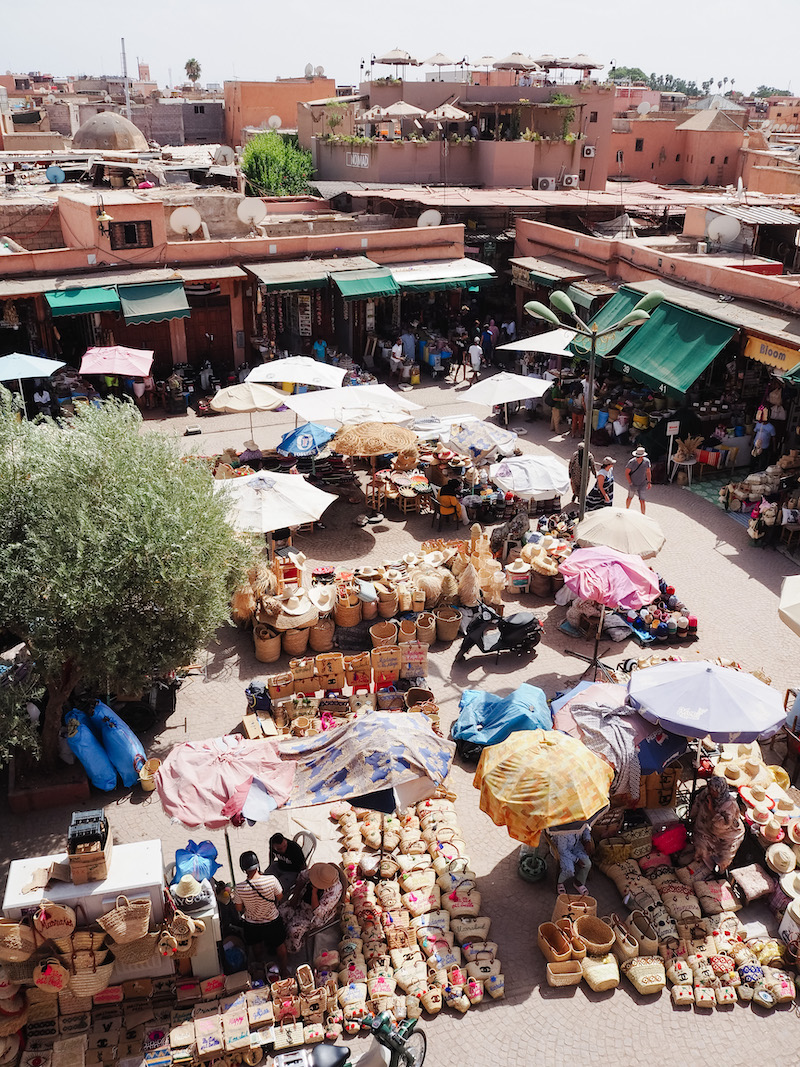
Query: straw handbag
point(573, 905)
point(51, 976)
point(383, 634)
point(426, 628)
point(139, 951)
point(448, 621)
point(295, 642)
point(17, 940)
point(601, 972)
point(646, 973)
point(128, 921)
point(54, 920)
point(267, 643)
point(320, 635)
point(89, 981)
point(595, 934)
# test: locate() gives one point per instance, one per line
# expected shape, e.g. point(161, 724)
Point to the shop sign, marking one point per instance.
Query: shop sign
point(304, 316)
point(369, 317)
point(772, 354)
point(357, 159)
point(521, 276)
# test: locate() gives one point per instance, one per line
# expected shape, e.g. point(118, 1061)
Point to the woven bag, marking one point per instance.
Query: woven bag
point(90, 981)
point(83, 938)
point(426, 628)
point(17, 940)
point(54, 920)
point(10, 1024)
point(132, 952)
point(128, 921)
point(564, 974)
point(448, 621)
point(646, 973)
point(573, 905)
point(601, 972)
point(50, 976)
point(295, 642)
point(320, 635)
point(595, 934)
point(383, 634)
point(267, 643)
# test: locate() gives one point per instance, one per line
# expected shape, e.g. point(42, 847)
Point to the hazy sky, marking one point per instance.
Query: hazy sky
point(252, 40)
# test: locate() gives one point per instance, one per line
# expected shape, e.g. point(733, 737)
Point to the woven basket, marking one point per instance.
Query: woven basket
point(347, 614)
point(267, 644)
point(10, 1024)
point(448, 621)
point(601, 973)
point(407, 631)
point(564, 974)
point(127, 921)
point(383, 633)
point(70, 1003)
point(426, 628)
point(369, 609)
point(87, 983)
point(387, 609)
point(21, 971)
point(138, 951)
point(320, 635)
point(418, 600)
point(50, 976)
point(295, 642)
point(541, 584)
point(640, 839)
point(595, 934)
point(54, 920)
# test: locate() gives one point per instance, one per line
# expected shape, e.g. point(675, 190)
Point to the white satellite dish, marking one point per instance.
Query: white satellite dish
point(431, 217)
point(319, 72)
point(724, 229)
point(274, 122)
point(185, 220)
point(251, 211)
point(645, 107)
point(50, 99)
point(223, 156)
point(309, 71)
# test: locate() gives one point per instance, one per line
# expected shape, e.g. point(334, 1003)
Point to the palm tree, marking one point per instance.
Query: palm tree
point(192, 68)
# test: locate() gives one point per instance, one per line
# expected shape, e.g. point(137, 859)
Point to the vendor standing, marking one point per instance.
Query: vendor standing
point(257, 899)
point(638, 474)
point(717, 830)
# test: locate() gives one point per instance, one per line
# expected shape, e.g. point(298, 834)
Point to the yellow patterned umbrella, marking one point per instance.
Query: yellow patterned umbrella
point(540, 778)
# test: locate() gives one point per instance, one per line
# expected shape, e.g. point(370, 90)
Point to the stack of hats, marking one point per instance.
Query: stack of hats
point(790, 878)
point(768, 806)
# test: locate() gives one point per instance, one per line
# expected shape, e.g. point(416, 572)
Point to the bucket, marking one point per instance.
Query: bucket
point(448, 620)
point(602, 419)
point(147, 774)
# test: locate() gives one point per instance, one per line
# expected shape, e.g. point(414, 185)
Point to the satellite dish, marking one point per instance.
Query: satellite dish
point(644, 107)
point(431, 217)
point(50, 99)
point(55, 174)
point(309, 72)
point(107, 99)
point(223, 156)
point(185, 220)
point(274, 122)
point(319, 71)
point(251, 211)
point(724, 229)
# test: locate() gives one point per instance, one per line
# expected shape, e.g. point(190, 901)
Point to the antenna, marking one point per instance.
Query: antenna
point(319, 72)
point(431, 217)
point(55, 174)
point(724, 229)
point(309, 71)
point(274, 122)
point(223, 156)
point(645, 107)
point(185, 220)
point(127, 86)
point(251, 211)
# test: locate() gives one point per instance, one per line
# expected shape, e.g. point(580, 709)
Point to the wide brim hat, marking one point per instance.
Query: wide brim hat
point(291, 620)
point(323, 875)
point(790, 883)
point(733, 773)
point(793, 831)
point(772, 831)
point(188, 886)
point(755, 794)
point(393, 575)
point(368, 574)
point(760, 814)
point(435, 559)
point(411, 559)
point(638, 452)
point(323, 597)
point(785, 809)
point(518, 566)
point(296, 604)
point(781, 859)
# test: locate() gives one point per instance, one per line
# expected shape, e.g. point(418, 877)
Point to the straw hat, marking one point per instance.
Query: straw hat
point(773, 831)
point(733, 774)
point(790, 883)
point(548, 542)
point(323, 597)
point(434, 559)
point(296, 610)
point(368, 574)
point(297, 604)
point(760, 814)
point(639, 452)
point(187, 887)
point(518, 566)
point(785, 809)
point(411, 559)
point(793, 831)
point(781, 859)
point(756, 771)
point(323, 875)
point(393, 575)
point(755, 794)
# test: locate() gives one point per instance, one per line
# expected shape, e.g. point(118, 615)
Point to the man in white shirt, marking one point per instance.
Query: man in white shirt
point(476, 357)
point(396, 359)
point(41, 399)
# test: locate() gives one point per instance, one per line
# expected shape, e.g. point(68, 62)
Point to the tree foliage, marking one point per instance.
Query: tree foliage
point(275, 166)
point(117, 559)
point(193, 70)
point(770, 90)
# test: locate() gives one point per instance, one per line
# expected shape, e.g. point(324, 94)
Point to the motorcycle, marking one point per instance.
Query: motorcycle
point(489, 632)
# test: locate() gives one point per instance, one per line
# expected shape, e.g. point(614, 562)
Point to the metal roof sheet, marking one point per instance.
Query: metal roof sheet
point(760, 216)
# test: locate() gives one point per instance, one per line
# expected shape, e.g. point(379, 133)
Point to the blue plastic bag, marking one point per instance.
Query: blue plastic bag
point(197, 860)
point(90, 752)
point(486, 719)
point(124, 748)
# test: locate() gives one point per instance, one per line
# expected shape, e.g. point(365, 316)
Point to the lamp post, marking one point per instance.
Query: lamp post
point(640, 313)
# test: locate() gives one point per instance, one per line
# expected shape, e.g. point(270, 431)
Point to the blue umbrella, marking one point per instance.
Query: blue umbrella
point(19, 365)
point(306, 440)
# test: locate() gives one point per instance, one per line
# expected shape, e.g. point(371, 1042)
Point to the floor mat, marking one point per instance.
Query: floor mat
point(710, 491)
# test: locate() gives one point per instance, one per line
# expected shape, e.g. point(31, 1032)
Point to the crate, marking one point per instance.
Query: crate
point(86, 827)
point(91, 861)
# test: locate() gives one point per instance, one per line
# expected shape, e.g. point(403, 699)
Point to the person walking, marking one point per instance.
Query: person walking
point(602, 494)
point(476, 358)
point(558, 405)
point(638, 473)
point(487, 343)
point(578, 411)
point(575, 469)
point(256, 899)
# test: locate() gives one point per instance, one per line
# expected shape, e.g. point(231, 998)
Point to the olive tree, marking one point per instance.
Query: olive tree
point(116, 556)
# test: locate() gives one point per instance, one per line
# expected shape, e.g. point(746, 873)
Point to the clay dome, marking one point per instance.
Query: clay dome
point(111, 132)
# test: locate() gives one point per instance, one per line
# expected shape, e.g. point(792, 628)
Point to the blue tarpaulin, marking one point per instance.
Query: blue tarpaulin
point(486, 719)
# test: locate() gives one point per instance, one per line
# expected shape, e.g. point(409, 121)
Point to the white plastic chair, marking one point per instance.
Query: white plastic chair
point(307, 841)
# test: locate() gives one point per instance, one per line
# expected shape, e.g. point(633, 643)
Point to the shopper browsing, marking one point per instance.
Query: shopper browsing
point(638, 474)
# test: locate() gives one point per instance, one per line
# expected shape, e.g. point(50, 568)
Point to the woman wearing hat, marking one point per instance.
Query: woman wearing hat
point(256, 899)
point(717, 829)
point(312, 903)
point(602, 494)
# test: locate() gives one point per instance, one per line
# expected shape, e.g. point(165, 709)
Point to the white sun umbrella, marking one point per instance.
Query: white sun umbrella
point(447, 113)
point(396, 57)
point(547, 60)
point(531, 476)
point(375, 114)
point(480, 439)
point(504, 388)
point(269, 501)
point(789, 605)
point(516, 61)
point(245, 398)
point(626, 531)
point(582, 62)
point(401, 110)
point(439, 60)
point(298, 369)
point(486, 61)
point(553, 343)
point(18, 365)
point(350, 416)
point(332, 403)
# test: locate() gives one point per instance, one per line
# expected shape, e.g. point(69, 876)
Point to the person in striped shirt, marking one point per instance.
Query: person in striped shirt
point(256, 899)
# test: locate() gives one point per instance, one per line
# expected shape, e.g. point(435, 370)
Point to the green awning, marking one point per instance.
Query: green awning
point(673, 348)
point(580, 296)
point(82, 301)
point(365, 284)
point(617, 307)
point(434, 276)
point(793, 376)
point(285, 277)
point(158, 302)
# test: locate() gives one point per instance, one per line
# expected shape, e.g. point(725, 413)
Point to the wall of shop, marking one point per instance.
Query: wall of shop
point(253, 103)
point(34, 226)
point(763, 173)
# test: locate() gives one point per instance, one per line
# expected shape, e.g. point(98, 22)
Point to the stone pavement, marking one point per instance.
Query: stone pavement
point(731, 586)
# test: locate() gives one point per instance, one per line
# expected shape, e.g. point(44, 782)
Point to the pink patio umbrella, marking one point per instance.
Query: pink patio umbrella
point(117, 359)
point(613, 580)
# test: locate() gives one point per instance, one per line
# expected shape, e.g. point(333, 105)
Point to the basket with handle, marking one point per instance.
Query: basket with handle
point(426, 628)
point(387, 607)
point(595, 934)
point(17, 940)
point(295, 642)
point(383, 634)
point(448, 621)
point(128, 920)
point(89, 981)
point(407, 631)
point(51, 976)
point(347, 614)
point(267, 643)
point(139, 951)
point(320, 635)
point(54, 920)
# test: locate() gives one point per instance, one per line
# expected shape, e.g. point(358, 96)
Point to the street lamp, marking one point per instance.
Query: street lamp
point(640, 313)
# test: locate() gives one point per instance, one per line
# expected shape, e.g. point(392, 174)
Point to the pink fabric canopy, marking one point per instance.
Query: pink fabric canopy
point(205, 783)
point(117, 359)
point(611, 578)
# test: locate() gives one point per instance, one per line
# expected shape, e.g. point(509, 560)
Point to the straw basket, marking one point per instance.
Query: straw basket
point(564, 974)
point(426, 628)
point(147, 773)
point(128, 920)
point(320, 635)
point(383, 633)
point(10, 1024)
point(17, 941)
point(541, 584)
point(369, 609)
point(295, 642)
point(387, 607)
point(267, 643)
point(595, 934)
point(94, 979)
point(54, 920)
point(407, 631)
point(138, 951)
point(347, 614)
point(404, 598)
point(418, 600)
point(448, 621)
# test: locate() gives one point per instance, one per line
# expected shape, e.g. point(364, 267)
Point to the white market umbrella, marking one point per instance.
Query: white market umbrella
point(529, 476)
point(504, 388)
point(486, 61)
point(401, 110)
point(447, 113)
point(516, 61)
point(479, 439)
point(582, 62)
point(18, 365)
point(553, 343)
point(439, 60)
point(789, 605)
point(396, 57)
point(246, 398)
point(699, 699)
point(626, 531)
point(269, 501)
point(376, 400)
point(352, 416)
point(298, 369)
point(375, 114)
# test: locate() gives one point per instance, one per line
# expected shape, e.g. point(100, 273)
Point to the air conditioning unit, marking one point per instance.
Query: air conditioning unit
point(570, 181)
point(545, 185)
point(702, 248)
point(589, 151)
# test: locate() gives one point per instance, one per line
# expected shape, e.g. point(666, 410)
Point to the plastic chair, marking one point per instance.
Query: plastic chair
point(436, 512)
point(310, 943)
point(307, 841)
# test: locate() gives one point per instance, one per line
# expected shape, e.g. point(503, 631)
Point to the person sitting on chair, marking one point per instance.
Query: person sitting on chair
point(257, 899)
point(449, 502)
point(312, 903)
point(286, 860)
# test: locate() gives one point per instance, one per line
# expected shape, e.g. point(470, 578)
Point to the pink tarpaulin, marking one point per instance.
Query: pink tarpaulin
point(611, 578)
point(204, 783)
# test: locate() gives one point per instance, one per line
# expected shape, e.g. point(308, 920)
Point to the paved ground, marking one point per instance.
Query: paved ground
point(731, 586)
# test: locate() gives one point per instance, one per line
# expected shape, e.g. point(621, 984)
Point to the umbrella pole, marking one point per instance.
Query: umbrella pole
point(696, 762)
point(230, 857)
point(22, 397)
point(594, 660)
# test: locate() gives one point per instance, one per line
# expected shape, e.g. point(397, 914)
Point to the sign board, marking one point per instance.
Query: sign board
point(369, 317)
point(304, 316)
point(673, 428)
point(357, 159)
point(772, 353)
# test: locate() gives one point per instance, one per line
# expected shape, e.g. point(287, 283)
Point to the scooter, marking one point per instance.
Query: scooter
point(490, 632)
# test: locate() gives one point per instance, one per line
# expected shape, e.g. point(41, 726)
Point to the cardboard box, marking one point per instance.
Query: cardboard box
point(91, 862)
